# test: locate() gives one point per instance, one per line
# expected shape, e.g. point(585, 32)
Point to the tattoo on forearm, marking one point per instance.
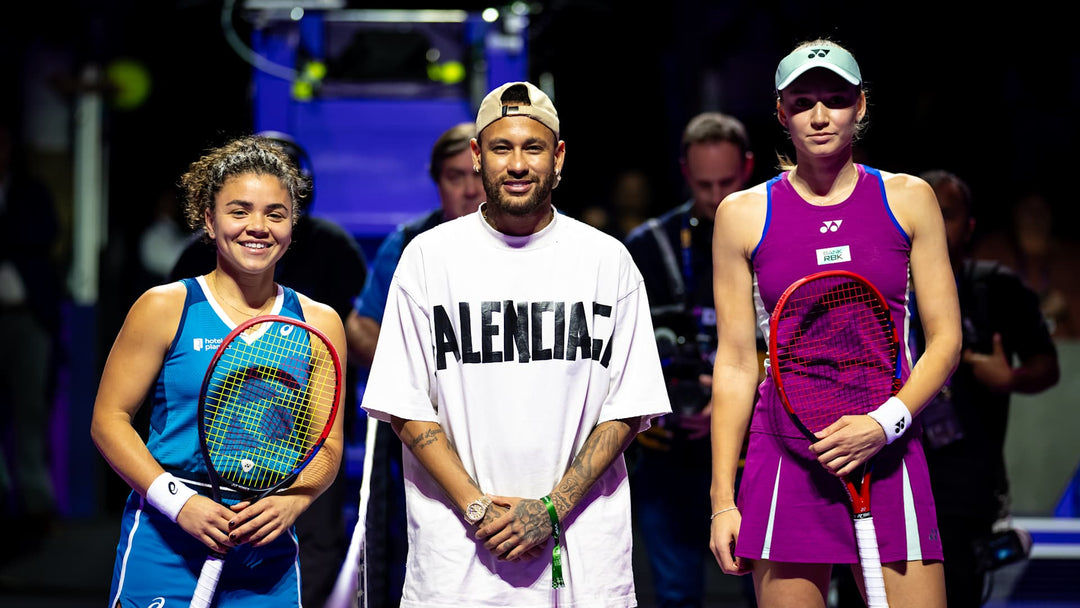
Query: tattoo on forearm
point(564, 495)
point(425, 439)
point(444, 456)
point(604, 444)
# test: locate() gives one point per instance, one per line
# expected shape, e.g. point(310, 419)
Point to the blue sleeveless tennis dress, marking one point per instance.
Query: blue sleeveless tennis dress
point(157, 562)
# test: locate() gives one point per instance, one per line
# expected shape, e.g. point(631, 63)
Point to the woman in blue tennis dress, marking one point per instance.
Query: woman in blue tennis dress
point(244, 194)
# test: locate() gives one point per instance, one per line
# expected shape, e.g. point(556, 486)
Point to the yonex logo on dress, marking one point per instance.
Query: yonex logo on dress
point(831, 226)
point(818, 53)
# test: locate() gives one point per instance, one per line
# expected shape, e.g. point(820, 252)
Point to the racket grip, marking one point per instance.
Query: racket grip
point(208, 580)
point(866, 538)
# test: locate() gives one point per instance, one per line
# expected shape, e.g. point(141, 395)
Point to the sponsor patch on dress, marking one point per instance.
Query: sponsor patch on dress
point(833, 255)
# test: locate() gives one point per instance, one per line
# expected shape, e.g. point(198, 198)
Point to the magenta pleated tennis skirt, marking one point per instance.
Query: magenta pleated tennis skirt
point(794, 510)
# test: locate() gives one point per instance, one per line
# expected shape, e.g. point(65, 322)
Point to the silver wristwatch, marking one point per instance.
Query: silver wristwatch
point(476, 510)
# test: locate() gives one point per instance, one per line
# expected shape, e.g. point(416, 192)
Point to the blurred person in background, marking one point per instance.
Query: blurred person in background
point(671, 460)
point(1044, 260)
point(630, 204)
point(31, 290)
point(964, 426)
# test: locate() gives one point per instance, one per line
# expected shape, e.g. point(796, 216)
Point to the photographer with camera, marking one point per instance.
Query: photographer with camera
point(672, 471)
point(964, 426)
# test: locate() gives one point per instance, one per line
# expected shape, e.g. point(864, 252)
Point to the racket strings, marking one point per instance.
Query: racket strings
point(835, 350)
point(268, 403)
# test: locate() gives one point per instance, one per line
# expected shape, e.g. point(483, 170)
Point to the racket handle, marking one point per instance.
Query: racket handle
point(866, 538)
point(208, 580)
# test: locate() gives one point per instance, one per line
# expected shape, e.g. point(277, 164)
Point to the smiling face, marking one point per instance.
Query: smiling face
point(251, 222)
point(821, 112)
point(520, 159)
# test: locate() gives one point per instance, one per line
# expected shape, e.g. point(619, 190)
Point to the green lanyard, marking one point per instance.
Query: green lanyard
point(556, 553)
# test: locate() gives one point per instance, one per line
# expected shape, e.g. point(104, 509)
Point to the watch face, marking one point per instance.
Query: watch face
point(475, 511)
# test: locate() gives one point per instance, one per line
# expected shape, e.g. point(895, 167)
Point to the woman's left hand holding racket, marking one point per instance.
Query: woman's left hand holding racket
point(261, 522)
point(846, 445)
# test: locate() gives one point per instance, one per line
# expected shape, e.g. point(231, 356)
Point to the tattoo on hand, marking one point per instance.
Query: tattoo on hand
point(534, 519)
point(494, 512)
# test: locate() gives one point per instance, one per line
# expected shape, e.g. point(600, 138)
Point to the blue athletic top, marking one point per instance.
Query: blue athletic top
point(174, 436)
point(372, 299)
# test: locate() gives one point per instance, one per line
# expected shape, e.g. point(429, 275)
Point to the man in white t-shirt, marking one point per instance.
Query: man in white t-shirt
point(516, 362)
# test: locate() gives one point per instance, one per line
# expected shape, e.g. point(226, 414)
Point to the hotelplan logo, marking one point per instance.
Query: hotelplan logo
point(200, 344)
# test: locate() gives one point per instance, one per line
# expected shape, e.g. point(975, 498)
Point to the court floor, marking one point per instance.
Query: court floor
point(73, 566)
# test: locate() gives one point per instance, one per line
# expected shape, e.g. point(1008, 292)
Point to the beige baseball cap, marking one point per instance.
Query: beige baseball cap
point(540, 108)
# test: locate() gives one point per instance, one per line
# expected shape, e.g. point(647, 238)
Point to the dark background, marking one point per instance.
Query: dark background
point(990, 94)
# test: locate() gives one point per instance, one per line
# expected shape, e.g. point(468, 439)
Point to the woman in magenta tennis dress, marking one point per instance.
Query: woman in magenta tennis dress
point(793, 520)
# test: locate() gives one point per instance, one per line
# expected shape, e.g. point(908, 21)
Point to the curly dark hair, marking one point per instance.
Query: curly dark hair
point(250, 154)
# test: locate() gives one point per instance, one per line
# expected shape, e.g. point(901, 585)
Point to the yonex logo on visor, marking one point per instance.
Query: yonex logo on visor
point(832, 58)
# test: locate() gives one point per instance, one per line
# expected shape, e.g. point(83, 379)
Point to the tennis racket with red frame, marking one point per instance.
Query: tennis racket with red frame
point(267, 405)
point(834, 351)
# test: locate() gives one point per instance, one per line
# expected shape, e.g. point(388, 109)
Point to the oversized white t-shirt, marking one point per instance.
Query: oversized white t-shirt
point(518, 347)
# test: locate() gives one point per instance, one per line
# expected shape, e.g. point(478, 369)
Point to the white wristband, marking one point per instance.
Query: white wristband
point(168, 495)
point(894, 418)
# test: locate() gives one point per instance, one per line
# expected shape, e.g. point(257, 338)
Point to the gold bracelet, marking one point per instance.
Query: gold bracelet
point(713, 516)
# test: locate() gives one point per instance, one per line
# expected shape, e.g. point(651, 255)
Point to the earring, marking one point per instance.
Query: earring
point(476, 169)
